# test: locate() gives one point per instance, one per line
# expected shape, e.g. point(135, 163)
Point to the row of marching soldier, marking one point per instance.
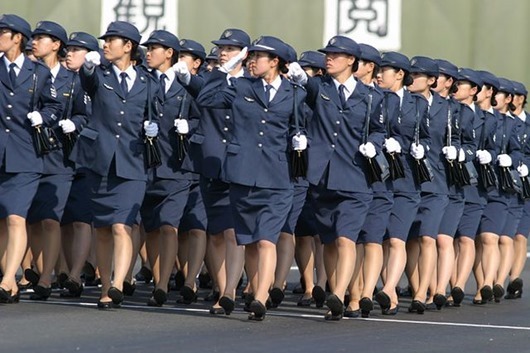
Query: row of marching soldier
point(361, 165)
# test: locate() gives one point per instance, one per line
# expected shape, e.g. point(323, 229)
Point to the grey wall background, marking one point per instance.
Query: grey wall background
point(482, 34)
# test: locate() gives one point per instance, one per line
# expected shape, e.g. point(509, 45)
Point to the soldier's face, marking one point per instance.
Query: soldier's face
point(465, 91)
point(44, 45)
point(484, 94)
point(157, 55)
point(75, 57)
point(388, 77)
point(192, 62)
point(227, 52)
point(443, 83)
point(259, 63)
point(116, 48)
point(503, 99)
point(337, 63)
point(420, 83)
point(365, 68)
point(8, 40)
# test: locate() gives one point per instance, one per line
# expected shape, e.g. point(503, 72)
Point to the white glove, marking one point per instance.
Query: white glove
point(367, 150)
point(297, 74)
point(523, 170)
point(299, 142)
point(504, 160)
point(92, 58)
point(417, 151)
point(67, 125)
point(461, 155)
point(484, 157)
point(35, 118)
point(182, 72)
point(450, 153)
point(392, 145)
point(182, 126)
point(151, 129)
point(236, 60)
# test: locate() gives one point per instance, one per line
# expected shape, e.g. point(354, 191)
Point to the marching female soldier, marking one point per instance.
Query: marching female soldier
point(340, 143)
point(257, 165)
point(28, 102)
point(112, 147)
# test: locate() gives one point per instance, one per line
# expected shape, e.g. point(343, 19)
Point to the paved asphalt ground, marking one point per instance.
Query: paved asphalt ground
point(77, 326)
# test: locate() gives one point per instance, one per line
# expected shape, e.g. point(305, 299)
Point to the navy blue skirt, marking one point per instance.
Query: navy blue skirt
point(259, 214)
point(115, 200)
point(523, 227)
point(452, 215)
point(495, 214)
point(299, 196)
point(16, 193)
point(50, 200)
point(194, 216)
point(164, 202)
point(515, 213)
point(429, 216)
point(470, 220)
point(216, 199)
point(306, 226)
point(376, 222)
point(402, 215)
point(339, 213)
point(77, 207)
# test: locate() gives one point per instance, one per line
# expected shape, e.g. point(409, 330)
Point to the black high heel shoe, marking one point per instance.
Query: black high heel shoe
point(32, 276)
point(366, 305)
point(188, 296)
point(352, 313)
point(319, 295)
point(486, 293)
point(257, 311)
point(227, 305)
point(498, 293)
point(276, 295)
point(158, 298)
point(107, 305)
point(128, 288)
point(383, 300)
point(391, 311)
point(73, 289)
point(417, 307)
point(41, 293)
point(514, 289)
point(335, 306)
point(116, 295)
point(458, 296)
point(7, 298)
point(439, 301)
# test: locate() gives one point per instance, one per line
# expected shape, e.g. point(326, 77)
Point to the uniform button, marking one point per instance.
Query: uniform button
point(119, 124)
point(122, 112)
point(261, 133)
point(124, 101)
point(8, 118)
point(340, 111)
point(161, 114)
point(224, 141)
point(335, 134)
point(11, 94)
point(260, 145)
point(263, 121)
point(332, 146)
point(9, 106)
point(265, 110)
point(337, 122)
point(7, 130)
point(117, 136)
point(225, 129)
point(227, 117)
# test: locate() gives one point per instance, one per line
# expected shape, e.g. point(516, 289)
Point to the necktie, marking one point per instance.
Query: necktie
point(342, 95)
point(123, 83)
point(232, 81)
point(268, 93)
point(163, 78)
point(13, 74)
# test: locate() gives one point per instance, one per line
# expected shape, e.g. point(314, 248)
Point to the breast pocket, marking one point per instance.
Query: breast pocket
point(196, 138)
point(233, 148)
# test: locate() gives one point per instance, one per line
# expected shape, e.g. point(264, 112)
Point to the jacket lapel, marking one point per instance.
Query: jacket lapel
point(330, 91)
point(437, 104)
point(259, 91)
point(110, 82)
point(139, 84)
point(283, 93)
point(358, 95)
point(4, 75)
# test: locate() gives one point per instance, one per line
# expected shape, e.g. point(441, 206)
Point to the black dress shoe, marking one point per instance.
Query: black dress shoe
point(276, 295)
point(304, 302)
point(439, 301)
point(391, 311)
point(329, 316)
point(188, 295)
point(479, 301)
point(498, 293)
point(257, 311)
point(486, 293)
point(352, 313)
point(417, 307)
point(458, 296)
point(227, 305)
point(383, 299)
point(319, 295)
point(335, 305)
point(205, 281)
point(32, 276)
point(249, 298)
point(159, 297)
point(107, 305)
point(514, 289)
point(88, 273)
point(366, 305)
point(40, 293)
point(430, 306)
point(7, 298)
point(61, 278)
point(213, 296)
point(179, 280)
point(24, 287)
point(74, 289)
point(144, 275)
point(116, 295)
point(128, 288)
point(217, 311)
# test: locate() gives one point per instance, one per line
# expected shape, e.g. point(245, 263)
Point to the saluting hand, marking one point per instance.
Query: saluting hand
point(450, 152)
point(504, 160)
point(299, 142)
point(367, 150)
point(231, 64)
point(417, 151)
point(67, 125)
point(35, 118)
point(92, 58)
point(182, 72)
point(182, 126)
point(151, 129)
point(297, 74)
point(484, 157)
